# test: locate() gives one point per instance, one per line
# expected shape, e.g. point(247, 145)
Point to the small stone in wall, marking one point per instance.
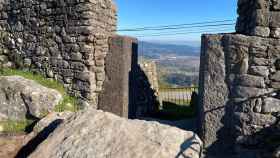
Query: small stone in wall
point(250, 81)
point(276, 77)
point(261, 31)
point(244, 66)
point(275, 85)
point(275, 33)
point(259, 71)
point(257, 104)
point(276, 6)
point(248, 92)
point(27, 62)
point(271, 105)
point(50, 74)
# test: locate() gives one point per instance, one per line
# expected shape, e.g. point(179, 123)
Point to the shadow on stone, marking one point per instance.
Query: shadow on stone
point(36, 141)
point(188, 145)
point(142, 101)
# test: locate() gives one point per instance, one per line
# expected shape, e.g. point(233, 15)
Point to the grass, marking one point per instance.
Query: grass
point(10, 126)
point(67, 104)
point(49, 83)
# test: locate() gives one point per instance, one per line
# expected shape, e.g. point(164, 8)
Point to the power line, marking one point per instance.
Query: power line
point(171, 32)
point(187, 27)
point(184, 33)
point(164, 26)
point(174, 26)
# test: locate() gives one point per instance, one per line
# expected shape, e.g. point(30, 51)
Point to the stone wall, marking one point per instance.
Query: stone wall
point(62, 39)
point(259, 18)
point(145, 91)
point(150, 69)
point(240, 84)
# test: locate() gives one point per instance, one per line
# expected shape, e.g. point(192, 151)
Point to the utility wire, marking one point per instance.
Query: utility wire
point(187, 27)
point(174, 26)
point(171, 32)
point(183, 33)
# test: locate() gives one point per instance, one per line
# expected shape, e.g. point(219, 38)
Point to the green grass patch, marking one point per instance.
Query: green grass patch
point(49, 83)
point(10, 126)
point(68, 103)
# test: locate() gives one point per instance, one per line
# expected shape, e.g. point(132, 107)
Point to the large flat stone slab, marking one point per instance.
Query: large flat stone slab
point(98, 134)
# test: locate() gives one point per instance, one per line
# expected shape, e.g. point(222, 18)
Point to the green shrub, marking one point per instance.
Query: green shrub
point(68, 103)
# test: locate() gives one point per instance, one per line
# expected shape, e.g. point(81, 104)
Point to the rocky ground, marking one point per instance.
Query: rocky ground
point(11, 144)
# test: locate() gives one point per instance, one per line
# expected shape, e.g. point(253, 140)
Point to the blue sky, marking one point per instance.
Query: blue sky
point(140, 13)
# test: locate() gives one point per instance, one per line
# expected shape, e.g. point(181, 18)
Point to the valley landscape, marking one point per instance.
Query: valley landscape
point(177, 64)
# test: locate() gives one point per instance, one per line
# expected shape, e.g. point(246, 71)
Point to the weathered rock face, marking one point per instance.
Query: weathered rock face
point(65, 40)
point(49, 119)
point(20, 97)
point(98, 134)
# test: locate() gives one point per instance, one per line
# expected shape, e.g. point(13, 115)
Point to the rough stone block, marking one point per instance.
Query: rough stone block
point(261, 31)
point(275, 32)
point(261, 17)
point(116, 95)
point(274, 22)
point(259, 52)
point(213, 90)
point(259, 71)
point(248, 92)
point(276, 77)
point(250, 81)
point(271, 105)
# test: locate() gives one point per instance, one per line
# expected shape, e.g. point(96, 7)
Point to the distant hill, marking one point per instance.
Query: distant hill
point(156, 50)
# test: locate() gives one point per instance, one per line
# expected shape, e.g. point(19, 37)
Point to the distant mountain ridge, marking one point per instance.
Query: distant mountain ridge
point(155, 50)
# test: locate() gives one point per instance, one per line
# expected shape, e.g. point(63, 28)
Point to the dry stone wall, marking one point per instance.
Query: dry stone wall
point(62, 39)
point(259, 18)
point(240, 84)
point(150, 70)
point(145, 90)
